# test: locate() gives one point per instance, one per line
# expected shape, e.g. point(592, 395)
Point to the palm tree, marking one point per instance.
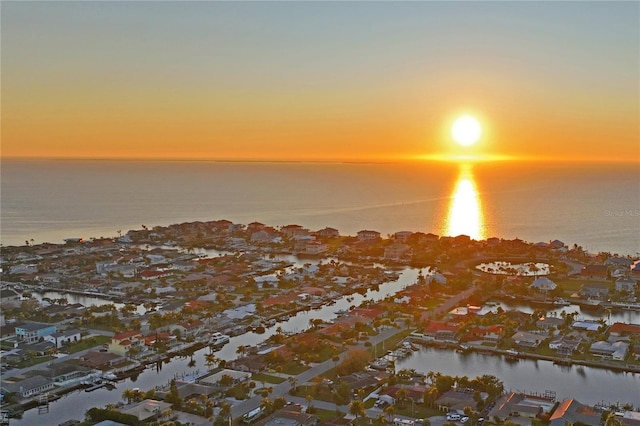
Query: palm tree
point(210, 360)
point(390, 411)
point(293, 380)
point(128, 394)
point(357, 408)
point(309, 399)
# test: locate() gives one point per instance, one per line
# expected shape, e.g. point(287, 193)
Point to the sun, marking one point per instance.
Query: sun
point(466, 130)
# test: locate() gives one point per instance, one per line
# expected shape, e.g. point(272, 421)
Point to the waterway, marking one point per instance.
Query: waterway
point(588, 385)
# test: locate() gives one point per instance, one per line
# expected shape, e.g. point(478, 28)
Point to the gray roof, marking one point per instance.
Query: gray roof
point(33, 326)
point(26, 384)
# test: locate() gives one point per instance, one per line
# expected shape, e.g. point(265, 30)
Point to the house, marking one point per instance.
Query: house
point(287, 417)
point(188, 328)
point(571, 411)
point(60, 338)
point(328, 233)
point(594, 290)
point(402, 236)
point(32, 332)
point(549, 323)
point(366, 235)
point(565, 345)
point(122, 343)
point(520, 405)
point(100, 360)
point(147, 409)
point(527, 340)
point(626, 284)
point(622, 329)
point(455, 400)
point(616, 351)
point(215, 378)
point(543, 285)
point(441, 331)
point(292, 231)
point(28, 387)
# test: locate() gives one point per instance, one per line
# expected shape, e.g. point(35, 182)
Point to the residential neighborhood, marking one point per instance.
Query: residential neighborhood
point(190, 288)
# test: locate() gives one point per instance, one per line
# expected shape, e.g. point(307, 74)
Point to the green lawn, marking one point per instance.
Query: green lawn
point(572, 286)
point(33, 361)
point(266, 378)
point(87, 343)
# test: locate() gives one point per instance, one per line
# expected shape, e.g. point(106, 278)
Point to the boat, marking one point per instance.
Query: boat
point(109, 376)
point(218, 339)
point(380, 364)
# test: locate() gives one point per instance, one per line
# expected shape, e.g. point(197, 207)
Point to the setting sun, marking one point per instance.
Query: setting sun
point(466, 130)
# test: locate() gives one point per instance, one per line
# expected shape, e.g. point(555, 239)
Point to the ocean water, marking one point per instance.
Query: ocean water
point(596, 206)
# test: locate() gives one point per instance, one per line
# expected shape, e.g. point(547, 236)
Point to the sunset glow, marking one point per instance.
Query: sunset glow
point(289, 81)
point(466, 130)
point(465, 216)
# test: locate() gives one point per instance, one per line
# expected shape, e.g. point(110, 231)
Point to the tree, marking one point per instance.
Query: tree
point(174, 397)
point(210, 360)
point(128, 394)
point(401, 396)
point(390, 411)
point(309, 399)
point(293, 380)
point(356, 408)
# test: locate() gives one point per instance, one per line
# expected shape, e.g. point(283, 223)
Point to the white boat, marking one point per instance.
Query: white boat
point(218, 339)
point(109, 376)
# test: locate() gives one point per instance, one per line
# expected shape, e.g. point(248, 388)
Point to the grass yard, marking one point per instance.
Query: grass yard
point(87, 343)
point(267, 378)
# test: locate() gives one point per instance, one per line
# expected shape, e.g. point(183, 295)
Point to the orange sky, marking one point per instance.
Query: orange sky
point(319, 81)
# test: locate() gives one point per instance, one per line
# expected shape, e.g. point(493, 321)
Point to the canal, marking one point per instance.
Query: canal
point(588, 385)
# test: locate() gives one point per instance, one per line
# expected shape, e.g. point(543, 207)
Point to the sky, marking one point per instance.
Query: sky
point(325, 81)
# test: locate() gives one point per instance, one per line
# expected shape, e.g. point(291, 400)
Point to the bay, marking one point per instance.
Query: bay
point(594, 205)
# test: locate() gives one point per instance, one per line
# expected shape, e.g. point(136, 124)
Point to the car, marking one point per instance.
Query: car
point(453, 417)
point(480, 420)
point(464, 419)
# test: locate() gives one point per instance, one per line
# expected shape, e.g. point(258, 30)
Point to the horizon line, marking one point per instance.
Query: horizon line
point(441, 158)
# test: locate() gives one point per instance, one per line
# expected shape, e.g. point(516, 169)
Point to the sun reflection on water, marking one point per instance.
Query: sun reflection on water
point(465, 216)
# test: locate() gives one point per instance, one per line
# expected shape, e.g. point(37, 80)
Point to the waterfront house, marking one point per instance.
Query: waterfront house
point(100, 360)
point(620, 329)
point(565, 345)
point(147, 409)
point(520, 405)
point(616, 351)
point(188, 328)
point(215, 378)
point(60, 338)
point(528, 340)
point(122, 343)
point(32, 332)
point(594, 290)
point(28, 387)
point(571, 411)
point(626, 284)
point(441, 331)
